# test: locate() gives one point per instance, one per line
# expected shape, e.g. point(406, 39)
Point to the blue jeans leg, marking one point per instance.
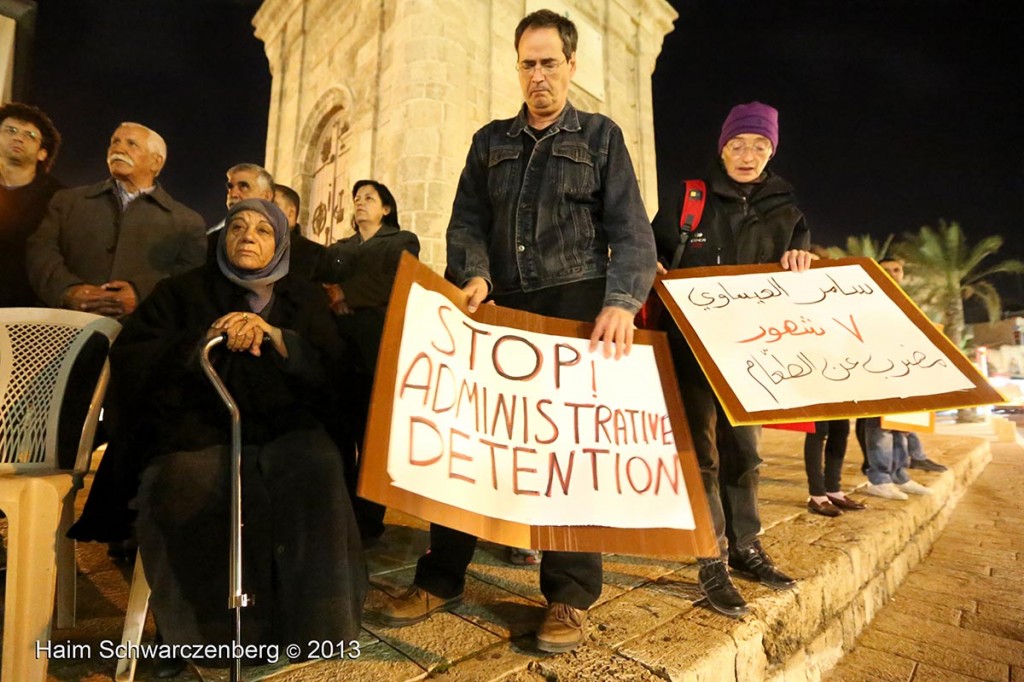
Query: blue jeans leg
point(880, 451)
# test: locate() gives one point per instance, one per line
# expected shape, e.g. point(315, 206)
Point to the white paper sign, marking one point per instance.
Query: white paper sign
point(827, 335)
point(530, 427)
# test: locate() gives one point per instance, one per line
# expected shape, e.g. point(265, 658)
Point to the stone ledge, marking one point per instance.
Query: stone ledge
point(649, 623)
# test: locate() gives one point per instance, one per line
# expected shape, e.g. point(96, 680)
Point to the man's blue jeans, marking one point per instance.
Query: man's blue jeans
point(887, 463)
point(907, 442)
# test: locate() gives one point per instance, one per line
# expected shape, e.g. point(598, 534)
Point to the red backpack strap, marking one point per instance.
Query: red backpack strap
point(694, 192)
point(694, 196)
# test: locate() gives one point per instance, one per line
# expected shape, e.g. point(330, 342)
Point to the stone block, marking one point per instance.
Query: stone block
point(825, 650)
point(953, 585)
point(376, 663)
point(979, 644)
point(1005, 625)
point(936, 652)
point(593, 663)
point(420, 141)
point(922, 610)
point(496, 663)
point(630, 615)
point(869, 664)
point(682, 649)
point(930, 673)
point(440, 640)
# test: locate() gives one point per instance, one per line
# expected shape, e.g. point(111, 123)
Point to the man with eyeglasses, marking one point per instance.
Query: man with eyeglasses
point(29, 143)
point(749, 216)
point(547, 218)
point(102, 248)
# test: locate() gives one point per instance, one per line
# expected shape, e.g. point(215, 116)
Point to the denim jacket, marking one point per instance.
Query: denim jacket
point(570, 212)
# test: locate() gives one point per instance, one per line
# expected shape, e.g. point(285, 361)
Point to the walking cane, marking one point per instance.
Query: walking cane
point(236, 598)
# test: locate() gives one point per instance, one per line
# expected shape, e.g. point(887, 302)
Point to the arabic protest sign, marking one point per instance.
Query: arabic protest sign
point(503, 424)
point(838, 340)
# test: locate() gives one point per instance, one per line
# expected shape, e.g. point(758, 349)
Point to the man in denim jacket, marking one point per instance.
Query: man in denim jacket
point(547, 218)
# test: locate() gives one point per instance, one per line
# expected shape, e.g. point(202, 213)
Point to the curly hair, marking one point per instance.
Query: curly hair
point(37, 117)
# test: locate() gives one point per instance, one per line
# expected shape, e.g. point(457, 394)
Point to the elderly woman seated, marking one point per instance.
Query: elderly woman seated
point(302, 559)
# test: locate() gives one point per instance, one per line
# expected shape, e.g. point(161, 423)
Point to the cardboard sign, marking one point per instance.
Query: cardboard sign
point(504, 425)
point(839, 340)
point(921, 422)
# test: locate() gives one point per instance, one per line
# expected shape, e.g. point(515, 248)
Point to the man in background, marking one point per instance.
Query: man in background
point(307, 256)
point(29, 143)
point(102, 248)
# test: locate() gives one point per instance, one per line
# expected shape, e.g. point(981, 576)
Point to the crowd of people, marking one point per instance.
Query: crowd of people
point(547, 218)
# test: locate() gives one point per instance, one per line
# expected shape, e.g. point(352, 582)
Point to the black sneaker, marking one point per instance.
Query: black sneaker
point(717, 587)
point(927, 465)
point(754, 562)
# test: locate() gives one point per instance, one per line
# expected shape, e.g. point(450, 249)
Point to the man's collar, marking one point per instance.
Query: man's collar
point(568, 121)
point(157, 193)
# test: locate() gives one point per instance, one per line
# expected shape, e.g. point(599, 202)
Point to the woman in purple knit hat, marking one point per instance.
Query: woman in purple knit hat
point(749, 216)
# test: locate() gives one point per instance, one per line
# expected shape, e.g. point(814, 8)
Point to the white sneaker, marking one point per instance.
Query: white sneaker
point(887, 490)
point(915, 488)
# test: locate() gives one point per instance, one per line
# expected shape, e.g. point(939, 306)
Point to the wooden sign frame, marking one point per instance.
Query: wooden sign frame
point(375, 482)
point(982, 392)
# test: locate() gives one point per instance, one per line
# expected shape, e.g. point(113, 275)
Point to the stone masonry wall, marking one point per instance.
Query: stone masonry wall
point(414, 79)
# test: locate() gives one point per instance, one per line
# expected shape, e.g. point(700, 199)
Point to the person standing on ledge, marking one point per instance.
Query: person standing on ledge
point(750, 216)
point(548, 219)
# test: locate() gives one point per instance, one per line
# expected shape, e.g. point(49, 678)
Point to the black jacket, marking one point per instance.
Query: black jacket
point(159, 388)
point(308, 258)
point(742, 224)
point(161, 402)
point(21, 211)
point(366, 272)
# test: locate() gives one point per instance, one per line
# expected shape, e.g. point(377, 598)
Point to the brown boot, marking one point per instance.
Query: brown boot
point(414, 606)
point(562, 629)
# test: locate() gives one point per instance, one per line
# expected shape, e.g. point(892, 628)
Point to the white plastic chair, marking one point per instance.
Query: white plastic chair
point(38, 348)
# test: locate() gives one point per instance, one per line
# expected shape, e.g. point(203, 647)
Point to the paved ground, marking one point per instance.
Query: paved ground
point(649, 623)
point(960, 613)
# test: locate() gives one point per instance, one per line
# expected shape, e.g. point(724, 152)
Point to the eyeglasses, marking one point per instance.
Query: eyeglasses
point(14, 131)
point(547, 66)
point(739, 147)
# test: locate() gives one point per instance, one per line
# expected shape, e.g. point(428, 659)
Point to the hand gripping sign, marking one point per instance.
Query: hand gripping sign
point(839, 340)
point(504, 425)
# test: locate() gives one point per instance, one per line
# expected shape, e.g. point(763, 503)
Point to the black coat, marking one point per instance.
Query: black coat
point(161, 402)
point(366, 272)
point(158, 385)
point(742, 224)
point(308, 258)
point(21, 211)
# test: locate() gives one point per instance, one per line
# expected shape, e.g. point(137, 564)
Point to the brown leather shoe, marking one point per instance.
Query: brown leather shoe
point(825, 508)
point(846, 504)
point(562, 629)
point(414, 606)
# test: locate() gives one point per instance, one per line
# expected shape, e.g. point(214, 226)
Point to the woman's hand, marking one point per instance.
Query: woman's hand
point(797, 260)
point(336, 299)
point(246, 332)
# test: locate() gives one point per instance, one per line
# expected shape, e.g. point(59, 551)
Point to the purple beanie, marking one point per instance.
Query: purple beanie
point(755, 118)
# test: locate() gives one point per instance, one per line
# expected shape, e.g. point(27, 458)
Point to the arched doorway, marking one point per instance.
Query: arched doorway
point(330, 206)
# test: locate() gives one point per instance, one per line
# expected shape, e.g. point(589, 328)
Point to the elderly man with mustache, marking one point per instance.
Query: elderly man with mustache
point(102, 248)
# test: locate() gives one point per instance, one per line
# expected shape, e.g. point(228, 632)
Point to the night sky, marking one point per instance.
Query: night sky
point(893, 113)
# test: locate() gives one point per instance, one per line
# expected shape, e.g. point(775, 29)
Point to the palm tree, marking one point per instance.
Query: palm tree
point(863, 245)
point(943, 271)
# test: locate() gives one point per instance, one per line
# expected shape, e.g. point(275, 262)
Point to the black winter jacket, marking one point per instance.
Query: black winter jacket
point(742, 224)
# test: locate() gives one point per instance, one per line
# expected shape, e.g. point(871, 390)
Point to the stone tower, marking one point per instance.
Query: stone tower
point(394, 89)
